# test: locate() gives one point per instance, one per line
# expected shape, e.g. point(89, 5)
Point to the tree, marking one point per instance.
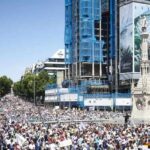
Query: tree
point(17, 88)
point(5, 85)
point(41, 81)
point(25, 87)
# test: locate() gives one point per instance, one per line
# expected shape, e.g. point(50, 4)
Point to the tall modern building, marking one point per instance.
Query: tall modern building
point(91, 28)
point(101, 40)
point(83, 43)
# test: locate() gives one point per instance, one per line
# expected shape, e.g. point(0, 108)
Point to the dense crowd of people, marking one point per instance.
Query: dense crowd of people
point(24, 126)
point(19, 110)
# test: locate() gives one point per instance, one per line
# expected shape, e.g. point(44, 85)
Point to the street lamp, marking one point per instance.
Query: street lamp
point(69, 96)
point(34, 90)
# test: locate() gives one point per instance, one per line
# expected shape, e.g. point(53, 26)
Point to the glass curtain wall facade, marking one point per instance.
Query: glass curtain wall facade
point(83, 42)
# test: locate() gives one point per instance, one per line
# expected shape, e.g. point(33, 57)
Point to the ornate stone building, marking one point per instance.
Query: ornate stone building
point(141, 93)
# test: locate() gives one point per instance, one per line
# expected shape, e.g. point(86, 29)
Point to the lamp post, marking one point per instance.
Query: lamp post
point(69, 94)
point(34, 90)
point(69, 86)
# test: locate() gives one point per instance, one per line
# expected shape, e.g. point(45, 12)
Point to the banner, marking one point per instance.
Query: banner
point(65, 143)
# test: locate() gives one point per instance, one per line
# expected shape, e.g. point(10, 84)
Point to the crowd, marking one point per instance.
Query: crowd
point(24, 126)
point(17, 109)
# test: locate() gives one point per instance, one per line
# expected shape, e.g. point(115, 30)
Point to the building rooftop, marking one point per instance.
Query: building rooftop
point(124, 2)
point(59, 54)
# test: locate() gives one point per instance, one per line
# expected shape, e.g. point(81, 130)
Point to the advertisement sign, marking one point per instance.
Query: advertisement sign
point(130, 37)
point(50, 98)
point(68, 97)
point(126, 38)
point(123, 102)
point(98, 102)
point(51, 92)
point(140, 10)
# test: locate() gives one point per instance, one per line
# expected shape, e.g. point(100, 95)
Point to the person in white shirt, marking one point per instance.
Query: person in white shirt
point(31, 146)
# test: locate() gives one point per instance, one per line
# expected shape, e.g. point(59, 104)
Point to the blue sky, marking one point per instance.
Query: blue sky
point(30, 30)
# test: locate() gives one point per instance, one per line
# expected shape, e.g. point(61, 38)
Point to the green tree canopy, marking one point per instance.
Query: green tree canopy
point(5, 85)
point(25, 87)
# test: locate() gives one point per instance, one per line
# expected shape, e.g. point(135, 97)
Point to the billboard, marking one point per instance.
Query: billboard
point(68, 97)
point(139, 10)
point(98, 102)
point(51, 98)
point(51, 92)
point(130, 38)
point(126, 38)
point(123, 102)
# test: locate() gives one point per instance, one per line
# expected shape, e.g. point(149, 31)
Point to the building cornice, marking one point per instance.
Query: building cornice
point(125, 2)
